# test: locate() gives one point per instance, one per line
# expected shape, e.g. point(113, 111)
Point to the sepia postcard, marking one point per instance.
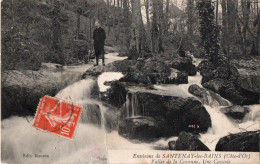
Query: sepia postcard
point(130, 81)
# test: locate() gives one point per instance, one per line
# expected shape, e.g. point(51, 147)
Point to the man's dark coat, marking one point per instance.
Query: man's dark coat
point(99, 37)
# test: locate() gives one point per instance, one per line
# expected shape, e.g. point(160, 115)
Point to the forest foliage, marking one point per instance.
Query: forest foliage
point(61, 31)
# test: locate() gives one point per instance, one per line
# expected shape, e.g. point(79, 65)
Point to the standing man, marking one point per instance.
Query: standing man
point(99, 37)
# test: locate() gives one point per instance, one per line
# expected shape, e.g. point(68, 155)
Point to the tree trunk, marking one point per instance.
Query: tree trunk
point(255, 50)
point(231, 12)
point(246, 15)
point(190, 9)
point(241, 39)
point(156, 26)
point(78, 26)
point(154, 29)
point(137, 40)
point(217, 12)
point(167, 18)
point(127, 24)
point(149, 40)
point(239, 29)
point(90, 28)
point(56, 33)
point(225, 38)
point(161, 25)
point(257, 38)
point(257, 8)
point(231, 23)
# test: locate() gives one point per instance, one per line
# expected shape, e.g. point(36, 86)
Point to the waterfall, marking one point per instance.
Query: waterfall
point(77, 92)
point(90, 143)
point(132, 106)
point(254, 113)
point(222, 126)
point(127, 106)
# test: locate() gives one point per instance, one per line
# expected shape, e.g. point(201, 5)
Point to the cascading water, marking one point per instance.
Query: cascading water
point(132, 106)
point(89, 145)
point(91, 142)
point(221, 125)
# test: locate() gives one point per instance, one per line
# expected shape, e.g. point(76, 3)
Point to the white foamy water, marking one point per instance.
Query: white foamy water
point(91, 142)
point(180, 90)
point(77, 91)
point(113, 57)
point(107, 76)
point(222, 126)
point(19, 138)
point(89, 145)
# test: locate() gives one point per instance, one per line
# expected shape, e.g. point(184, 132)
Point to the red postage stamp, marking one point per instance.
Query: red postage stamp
point(56, 116)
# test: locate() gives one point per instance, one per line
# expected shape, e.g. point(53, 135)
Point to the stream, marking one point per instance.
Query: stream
point(91, 142)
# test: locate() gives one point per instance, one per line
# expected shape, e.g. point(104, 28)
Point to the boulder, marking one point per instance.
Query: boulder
point(161, 73)
point(221, 73)
point(89, 74)
point(226, 89)
point(207, 97)
point(147, 72)
point(125, 66)
point(205, 66)
point(140, 128)
point(210, 72)
point(236, 112)
point(171, 145)
point(250, 80)
point(251, 97)
point(115, 95)
point(249, 72)
point(51, 66)
point(97, 70)
point(245, 141)
point(179, 113)
point(177, 77)
point(233, 86)
point(183, 64)
point(138, 78)
point(157, 70)
point(91, 114)
point(191, 70)
point(189, 142)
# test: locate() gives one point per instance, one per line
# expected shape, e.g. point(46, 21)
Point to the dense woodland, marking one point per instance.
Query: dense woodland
point(61, 31)
point(186, 68)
